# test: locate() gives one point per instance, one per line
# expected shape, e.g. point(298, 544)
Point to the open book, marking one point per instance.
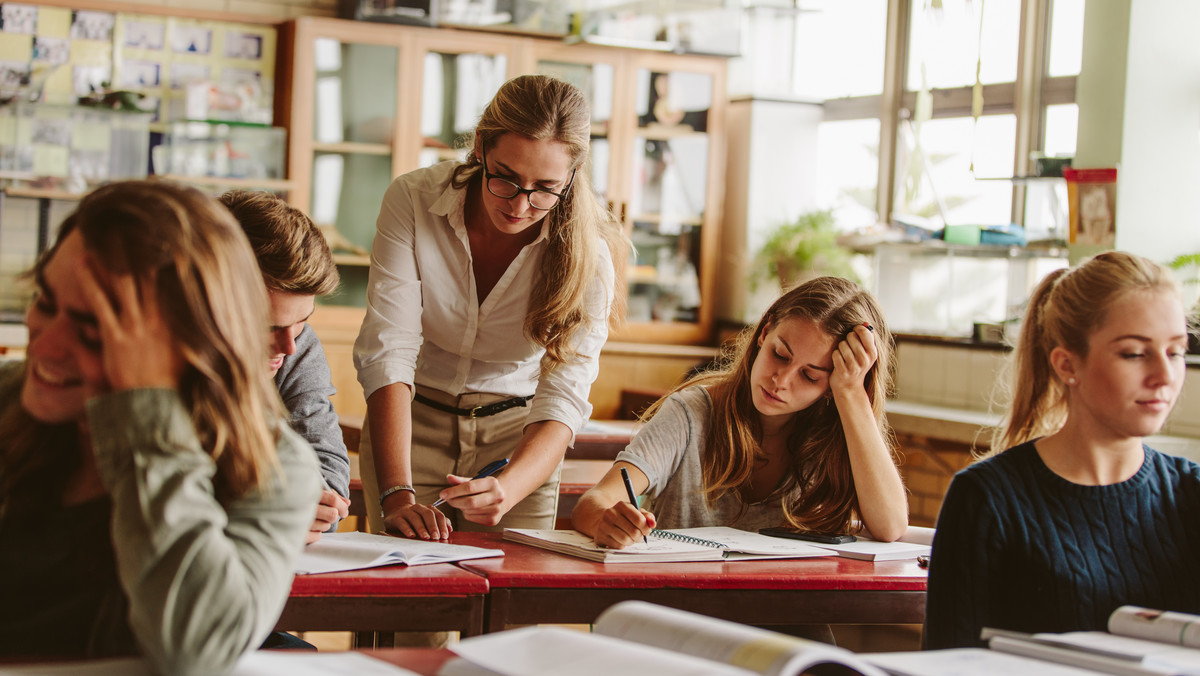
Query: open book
point(715, 543)
point(350, 551)
point(1139, 641)
point(916, 541)
point(634, 637)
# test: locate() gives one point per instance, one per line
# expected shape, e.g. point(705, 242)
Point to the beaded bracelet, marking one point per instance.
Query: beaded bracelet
point(395, 489)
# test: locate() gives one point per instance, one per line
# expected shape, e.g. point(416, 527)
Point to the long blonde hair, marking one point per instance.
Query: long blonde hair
point(538, 108)
point(818, 475)
point(215, 305)
point(1064, 310)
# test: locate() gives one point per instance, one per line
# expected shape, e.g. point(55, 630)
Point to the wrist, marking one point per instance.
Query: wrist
point(397, 495)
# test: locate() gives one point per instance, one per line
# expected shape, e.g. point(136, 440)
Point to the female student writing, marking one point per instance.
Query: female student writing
point(498, 272)
point(1078, 516)
point(152, 498)
point(790, 431)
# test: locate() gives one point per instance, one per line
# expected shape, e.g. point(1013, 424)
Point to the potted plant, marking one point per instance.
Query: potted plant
point(800, 250)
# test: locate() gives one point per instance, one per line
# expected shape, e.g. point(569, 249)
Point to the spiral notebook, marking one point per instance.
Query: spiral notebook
point(713, 543)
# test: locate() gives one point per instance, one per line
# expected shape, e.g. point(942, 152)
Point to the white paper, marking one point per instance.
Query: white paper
point(967, 662)
point(353, 550)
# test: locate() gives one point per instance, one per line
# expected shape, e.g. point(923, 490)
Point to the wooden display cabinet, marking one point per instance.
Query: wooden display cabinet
point(365, 102)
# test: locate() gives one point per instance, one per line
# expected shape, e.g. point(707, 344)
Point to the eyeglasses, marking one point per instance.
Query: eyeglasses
point(539, 198)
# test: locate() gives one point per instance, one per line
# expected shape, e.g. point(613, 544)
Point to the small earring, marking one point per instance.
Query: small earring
point(1071, 381)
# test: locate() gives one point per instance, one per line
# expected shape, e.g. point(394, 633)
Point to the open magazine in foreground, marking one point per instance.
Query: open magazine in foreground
point(633, 637)
point(1139, 641)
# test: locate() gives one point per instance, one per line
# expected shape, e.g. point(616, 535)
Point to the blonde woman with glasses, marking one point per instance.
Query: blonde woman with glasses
point(492, 287)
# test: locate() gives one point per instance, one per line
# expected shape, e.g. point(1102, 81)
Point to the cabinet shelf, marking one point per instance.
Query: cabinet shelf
point(274, 184)
point(351, 148)
point(666, 133)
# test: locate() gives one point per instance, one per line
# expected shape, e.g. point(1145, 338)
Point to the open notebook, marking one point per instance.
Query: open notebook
point(351, 551)
point(716, 543)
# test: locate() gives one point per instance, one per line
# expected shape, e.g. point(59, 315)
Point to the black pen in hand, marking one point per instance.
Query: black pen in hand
point(629, 491)
point(490, 469)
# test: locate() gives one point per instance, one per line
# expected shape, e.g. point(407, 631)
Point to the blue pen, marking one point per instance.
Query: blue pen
point(629, 490)
point(492, 468)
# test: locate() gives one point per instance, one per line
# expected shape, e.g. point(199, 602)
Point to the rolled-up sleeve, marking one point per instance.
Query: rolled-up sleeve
point(562, 395)
point(390, 338)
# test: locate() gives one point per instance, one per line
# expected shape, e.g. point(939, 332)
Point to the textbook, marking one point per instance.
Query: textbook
point(913, 543)
point(634, 637)
point(714, 543)
point(1139, 641)
point(336, 552)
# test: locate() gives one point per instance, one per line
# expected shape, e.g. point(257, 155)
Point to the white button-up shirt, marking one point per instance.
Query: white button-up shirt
point(425, 326)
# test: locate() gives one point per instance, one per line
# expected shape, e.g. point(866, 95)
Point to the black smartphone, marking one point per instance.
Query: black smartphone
point(825, 538)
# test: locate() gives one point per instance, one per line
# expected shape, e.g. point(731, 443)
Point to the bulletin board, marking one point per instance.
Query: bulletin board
point(186, 68)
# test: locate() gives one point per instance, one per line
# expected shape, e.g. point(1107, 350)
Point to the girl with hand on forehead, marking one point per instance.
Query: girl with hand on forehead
point(492, 285)
point(153, 499)
point(790, 430)
point(1079, 516)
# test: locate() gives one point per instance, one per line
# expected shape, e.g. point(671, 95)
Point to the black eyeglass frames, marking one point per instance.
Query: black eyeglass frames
point(539, 198)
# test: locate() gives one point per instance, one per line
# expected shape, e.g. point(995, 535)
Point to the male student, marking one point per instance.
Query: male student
point(297, 266)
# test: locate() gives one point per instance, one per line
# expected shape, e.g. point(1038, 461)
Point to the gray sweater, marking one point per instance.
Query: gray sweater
point(668, 451)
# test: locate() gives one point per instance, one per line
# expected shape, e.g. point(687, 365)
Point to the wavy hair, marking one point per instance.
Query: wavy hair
point(214, 303)
point(818, 491)
point(291, 250)
point(538, 107)
point(1067, 306)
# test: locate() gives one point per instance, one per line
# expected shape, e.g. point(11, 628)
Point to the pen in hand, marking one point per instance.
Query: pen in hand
point(629, 491)
point(490, 469)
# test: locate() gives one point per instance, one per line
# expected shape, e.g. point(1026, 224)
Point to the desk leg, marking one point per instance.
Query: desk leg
point(497, 606)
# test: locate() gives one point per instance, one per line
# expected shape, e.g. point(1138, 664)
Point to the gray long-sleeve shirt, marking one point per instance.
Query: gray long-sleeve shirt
point(305, 384)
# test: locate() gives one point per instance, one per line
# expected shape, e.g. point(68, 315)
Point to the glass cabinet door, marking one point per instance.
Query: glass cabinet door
point(668, 198)
point(455, 88)
point(596, 82)
point(354, 115)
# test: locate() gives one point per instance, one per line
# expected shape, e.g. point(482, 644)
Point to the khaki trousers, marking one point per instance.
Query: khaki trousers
point(444, 443)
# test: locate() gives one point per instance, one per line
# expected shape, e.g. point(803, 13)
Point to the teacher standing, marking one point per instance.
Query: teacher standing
point(492, 286)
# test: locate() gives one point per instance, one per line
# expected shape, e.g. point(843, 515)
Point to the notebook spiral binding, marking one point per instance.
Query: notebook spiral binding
point(688, 539)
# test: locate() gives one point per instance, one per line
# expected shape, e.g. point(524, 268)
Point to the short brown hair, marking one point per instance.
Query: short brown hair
point(291, 251)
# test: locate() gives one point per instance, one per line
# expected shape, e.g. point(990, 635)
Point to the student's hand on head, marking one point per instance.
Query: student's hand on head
point(852, 360)
point(330, 508)
point(136, 346)
point(420, 522)
point(479, 500)
point(622, 525)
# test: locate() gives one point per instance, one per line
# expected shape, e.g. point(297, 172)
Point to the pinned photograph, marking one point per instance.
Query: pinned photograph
point(87, 25)
point(51, 50)
point(18, 19)
point(183, 74)
point(88, 79)
point(144, 35)
point(191, 40)
point(140, 74)
point(240, 45)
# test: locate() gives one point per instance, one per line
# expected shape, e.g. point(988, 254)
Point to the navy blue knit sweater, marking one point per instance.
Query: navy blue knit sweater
point(1019, 547)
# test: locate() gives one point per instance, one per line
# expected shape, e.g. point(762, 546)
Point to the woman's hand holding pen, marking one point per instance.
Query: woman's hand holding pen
point(622, 525)
point(480, 500)
point(852, 360)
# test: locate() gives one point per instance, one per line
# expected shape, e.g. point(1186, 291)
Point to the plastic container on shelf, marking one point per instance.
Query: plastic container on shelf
point(71, 148)
point(222, 150)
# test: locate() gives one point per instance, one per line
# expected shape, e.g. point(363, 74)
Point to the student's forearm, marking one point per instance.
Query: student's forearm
point(539, 452)
point(389, 415)
point(882, 503)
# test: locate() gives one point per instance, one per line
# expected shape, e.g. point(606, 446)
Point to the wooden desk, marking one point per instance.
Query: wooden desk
point(535, 586)
point(433, 597)
point(424, 661)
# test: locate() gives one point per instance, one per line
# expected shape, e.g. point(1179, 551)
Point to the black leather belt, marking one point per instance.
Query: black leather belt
point(477, 412)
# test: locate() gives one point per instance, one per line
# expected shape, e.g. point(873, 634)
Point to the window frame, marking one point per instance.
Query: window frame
point(1026, 98)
